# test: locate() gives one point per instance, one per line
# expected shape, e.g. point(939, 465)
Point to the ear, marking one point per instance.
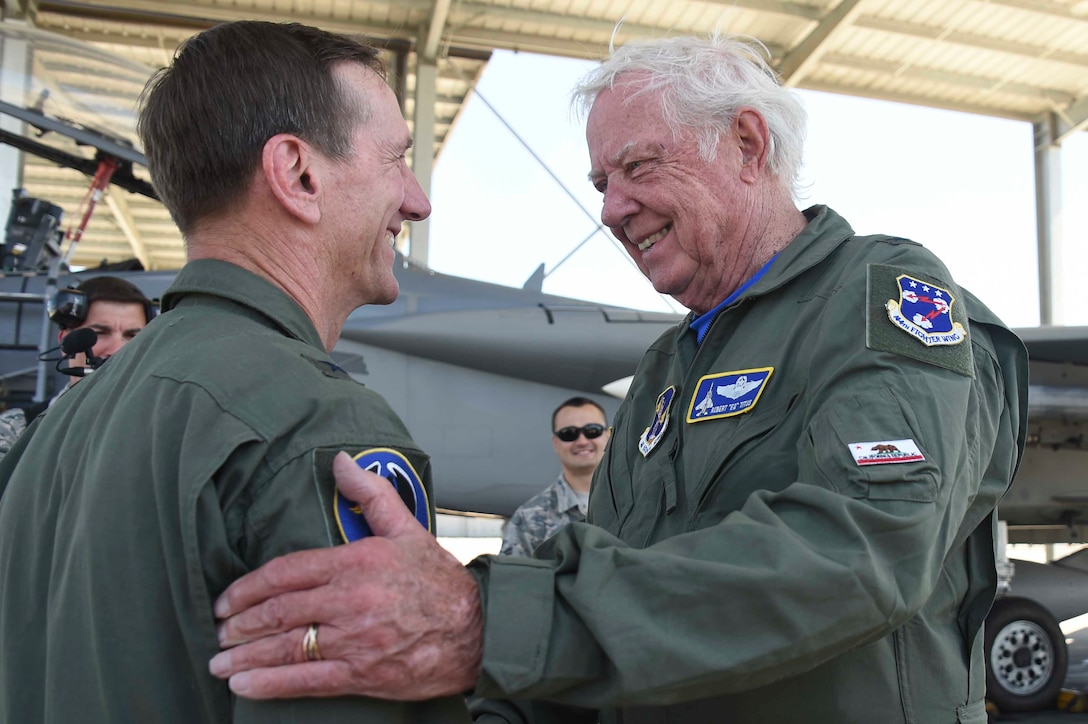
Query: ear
point(289, 167)
point(61, 335)
point(754, 140)
point(556, 444)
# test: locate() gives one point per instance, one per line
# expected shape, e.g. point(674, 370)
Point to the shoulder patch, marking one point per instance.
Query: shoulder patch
point(652, 435)
point(916, 316)
point(395, 468)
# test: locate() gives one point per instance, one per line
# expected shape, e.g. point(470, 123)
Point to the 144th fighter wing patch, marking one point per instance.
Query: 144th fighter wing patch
point(925, 312)
point(917, 316)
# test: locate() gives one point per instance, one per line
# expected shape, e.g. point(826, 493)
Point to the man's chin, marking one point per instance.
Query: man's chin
point(387, 294)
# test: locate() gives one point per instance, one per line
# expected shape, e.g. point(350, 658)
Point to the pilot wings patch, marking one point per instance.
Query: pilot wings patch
point(726, 394)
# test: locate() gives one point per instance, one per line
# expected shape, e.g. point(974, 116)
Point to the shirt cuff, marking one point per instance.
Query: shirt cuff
point(517, 596)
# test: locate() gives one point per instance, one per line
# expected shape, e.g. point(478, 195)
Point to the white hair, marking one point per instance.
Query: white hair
point(702, 83)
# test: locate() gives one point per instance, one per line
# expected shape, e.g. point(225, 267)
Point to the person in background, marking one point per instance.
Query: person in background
point(579, 435)
point(114, 308)
point(795, 516)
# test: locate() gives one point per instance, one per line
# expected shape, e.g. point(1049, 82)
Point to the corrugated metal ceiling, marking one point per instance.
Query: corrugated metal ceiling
point(1020, 59)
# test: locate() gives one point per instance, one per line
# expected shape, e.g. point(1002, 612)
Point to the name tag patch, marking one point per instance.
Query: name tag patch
point(726, 394)
point(884, 452)
point(395, 468)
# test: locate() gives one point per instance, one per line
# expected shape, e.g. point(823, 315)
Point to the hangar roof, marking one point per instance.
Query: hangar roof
point(1018, 59)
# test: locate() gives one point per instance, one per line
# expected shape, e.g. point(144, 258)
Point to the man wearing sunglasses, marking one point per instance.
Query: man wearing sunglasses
point(579, 435)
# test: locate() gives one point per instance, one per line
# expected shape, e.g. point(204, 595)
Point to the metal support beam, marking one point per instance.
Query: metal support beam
point(399, 79)
point(15, 62)
point(796, 65)
point(119, 206)
point(435, 29)
point(423, 150)
point(1048, 219)
point(1071, 119)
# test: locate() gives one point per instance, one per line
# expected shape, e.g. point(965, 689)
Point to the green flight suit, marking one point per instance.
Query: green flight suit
point(200, 451)
point(818, 550)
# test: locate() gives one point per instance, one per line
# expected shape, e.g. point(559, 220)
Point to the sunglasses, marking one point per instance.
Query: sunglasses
point(570, 434)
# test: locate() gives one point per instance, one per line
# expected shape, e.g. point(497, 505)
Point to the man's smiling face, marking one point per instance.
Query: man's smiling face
point(675, 212)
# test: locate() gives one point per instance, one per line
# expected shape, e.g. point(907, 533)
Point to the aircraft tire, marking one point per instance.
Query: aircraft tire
point(1026, 657)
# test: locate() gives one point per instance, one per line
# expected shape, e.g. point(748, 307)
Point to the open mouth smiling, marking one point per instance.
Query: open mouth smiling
point(654, 238)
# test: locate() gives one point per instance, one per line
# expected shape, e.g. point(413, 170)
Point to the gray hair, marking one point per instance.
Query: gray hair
point(702, 84)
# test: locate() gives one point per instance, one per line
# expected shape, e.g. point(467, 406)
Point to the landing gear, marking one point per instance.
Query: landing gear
point(1026, 657)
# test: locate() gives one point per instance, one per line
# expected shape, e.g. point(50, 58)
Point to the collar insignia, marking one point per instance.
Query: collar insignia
point(924, 311)
point(652, 435)
point(395, 468)
point(726, 394)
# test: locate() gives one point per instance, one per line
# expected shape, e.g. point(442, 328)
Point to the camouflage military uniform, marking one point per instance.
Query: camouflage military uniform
point(12, 424)
point(540, 517)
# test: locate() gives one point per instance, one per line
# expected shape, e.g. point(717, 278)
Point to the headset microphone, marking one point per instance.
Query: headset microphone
point(80, 340)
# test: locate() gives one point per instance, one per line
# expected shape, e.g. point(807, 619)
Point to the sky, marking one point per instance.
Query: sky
point(961, 185)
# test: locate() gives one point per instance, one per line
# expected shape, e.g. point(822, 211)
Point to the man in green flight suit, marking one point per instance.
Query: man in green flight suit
point(205, 447)
point(794, 520)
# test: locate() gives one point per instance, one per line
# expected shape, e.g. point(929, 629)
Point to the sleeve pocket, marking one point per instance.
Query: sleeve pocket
point(881, 418)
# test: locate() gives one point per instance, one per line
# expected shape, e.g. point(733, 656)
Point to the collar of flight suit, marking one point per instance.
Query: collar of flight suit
point(825, 231)
point(215, 278)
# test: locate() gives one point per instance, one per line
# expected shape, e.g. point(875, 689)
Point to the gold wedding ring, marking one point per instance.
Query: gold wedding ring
point(309, 644)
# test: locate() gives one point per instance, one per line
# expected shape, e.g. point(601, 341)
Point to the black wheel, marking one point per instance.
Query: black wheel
point(1026, 658)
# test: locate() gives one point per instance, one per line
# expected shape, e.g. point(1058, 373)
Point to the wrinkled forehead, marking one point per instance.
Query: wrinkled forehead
point(630, 96)
point(632, 88)
point(623, 121)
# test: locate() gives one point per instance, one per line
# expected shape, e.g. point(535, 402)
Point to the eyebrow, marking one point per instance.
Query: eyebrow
point(615, 160)
point(109, 328)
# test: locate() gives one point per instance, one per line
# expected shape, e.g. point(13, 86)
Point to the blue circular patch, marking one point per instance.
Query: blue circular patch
point(395, 468)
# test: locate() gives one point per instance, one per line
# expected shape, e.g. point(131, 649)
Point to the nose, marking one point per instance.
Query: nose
point(107, 346)
point(416, 206)
point(618, 207)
